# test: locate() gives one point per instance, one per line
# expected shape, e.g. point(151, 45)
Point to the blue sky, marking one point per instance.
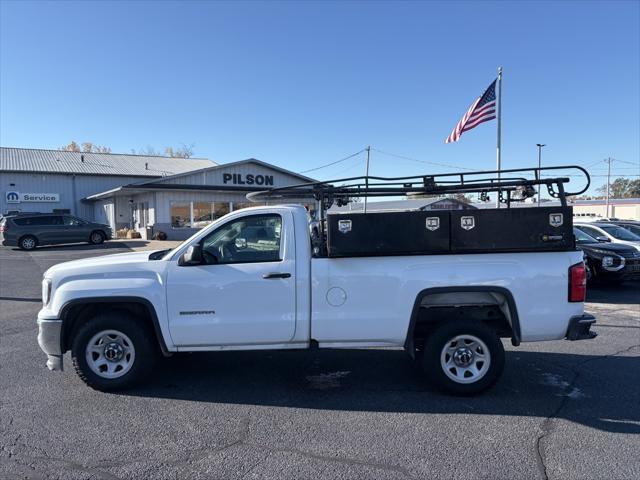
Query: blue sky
point(303, 84)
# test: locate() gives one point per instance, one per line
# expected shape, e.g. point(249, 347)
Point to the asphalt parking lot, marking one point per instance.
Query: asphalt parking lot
point(562, 409)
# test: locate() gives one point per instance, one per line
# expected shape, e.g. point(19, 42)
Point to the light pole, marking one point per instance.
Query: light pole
point(539, 145)
point(608, 160)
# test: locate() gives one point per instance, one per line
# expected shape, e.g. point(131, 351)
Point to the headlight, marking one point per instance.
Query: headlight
point(607, 261)
point(613, 263)
point(46, 291)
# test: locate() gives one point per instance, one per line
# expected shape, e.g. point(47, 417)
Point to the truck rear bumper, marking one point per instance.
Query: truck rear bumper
point(49, 332)
point(580, 327)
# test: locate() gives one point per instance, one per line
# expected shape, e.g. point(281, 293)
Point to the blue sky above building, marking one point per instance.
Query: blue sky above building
point(303, 84)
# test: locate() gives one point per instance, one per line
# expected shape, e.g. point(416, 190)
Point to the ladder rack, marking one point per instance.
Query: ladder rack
point(514, 187)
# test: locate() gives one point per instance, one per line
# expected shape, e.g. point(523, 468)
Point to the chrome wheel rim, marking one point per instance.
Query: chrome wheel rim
point(465, 359)
point(96, 238)
point(28, 243)
point(110, 354)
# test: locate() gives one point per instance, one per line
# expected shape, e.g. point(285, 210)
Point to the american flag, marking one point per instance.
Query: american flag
point(482, 110)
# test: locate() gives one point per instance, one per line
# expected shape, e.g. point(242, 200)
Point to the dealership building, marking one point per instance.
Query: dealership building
point(146, 193)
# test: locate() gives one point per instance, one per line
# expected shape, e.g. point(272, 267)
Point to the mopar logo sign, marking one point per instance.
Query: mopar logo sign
point(17, 197)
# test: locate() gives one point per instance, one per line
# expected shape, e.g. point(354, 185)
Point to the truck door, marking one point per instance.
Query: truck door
point(243, 292)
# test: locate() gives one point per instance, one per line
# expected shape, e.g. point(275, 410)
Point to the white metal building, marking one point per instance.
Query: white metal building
point(178, 205)
point(145, 193)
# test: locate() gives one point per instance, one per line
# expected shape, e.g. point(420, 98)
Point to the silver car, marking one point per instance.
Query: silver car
point(609, 232)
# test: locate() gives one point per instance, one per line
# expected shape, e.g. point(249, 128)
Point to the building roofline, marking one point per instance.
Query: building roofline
point(107, 153)
point(92, 174)
point(226, 165)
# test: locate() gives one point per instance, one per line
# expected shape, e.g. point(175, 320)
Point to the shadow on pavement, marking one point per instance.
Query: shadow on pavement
point(624, 293)
point(534, 384)
point(71, 247)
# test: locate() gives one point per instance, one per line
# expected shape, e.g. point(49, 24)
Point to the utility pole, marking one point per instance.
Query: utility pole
point(539, 145)
point(608, 160)
point(366, 178)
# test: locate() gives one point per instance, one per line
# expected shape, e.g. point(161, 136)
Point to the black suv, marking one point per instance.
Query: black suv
point(27, 231)
point(608, 262)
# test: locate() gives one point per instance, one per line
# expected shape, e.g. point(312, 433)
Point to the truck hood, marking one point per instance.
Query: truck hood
point(104, 260)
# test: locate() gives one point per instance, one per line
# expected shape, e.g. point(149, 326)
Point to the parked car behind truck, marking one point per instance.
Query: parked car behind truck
point(608, 262)
point(28, 231)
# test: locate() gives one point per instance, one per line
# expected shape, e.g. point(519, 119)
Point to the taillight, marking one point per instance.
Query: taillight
point(577, 282)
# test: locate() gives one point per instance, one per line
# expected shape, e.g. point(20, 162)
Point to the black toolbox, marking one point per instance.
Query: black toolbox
point(426, 232)
point(388, 233)
point(512, 229)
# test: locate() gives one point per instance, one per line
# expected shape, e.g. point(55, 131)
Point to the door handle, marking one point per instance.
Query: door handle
point(276, 275)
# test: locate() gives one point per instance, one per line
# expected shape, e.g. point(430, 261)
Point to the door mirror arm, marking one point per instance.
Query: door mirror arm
point(193, 256)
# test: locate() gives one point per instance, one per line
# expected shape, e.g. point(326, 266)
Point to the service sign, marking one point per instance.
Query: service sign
point(17, 197)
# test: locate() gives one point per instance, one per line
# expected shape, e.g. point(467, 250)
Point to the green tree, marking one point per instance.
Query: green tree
point(622, 188)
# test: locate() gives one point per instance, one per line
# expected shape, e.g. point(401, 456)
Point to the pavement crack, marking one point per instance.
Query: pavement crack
point(346, 461)
point(547, 423)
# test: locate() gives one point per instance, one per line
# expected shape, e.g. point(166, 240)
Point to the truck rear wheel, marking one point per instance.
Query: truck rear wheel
point(113, 351)
point(463, 357)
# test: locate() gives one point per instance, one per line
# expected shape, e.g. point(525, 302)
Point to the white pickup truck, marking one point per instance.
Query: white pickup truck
point(251, 281)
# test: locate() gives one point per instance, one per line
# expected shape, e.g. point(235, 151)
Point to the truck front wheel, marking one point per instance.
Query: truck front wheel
point(112, 351)
point(463, 357)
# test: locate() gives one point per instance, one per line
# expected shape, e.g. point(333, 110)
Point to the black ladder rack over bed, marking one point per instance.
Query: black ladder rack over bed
point(509, 185)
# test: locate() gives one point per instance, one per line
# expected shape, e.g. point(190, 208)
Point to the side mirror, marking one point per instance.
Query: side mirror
point(193, 256)
point(603, 239)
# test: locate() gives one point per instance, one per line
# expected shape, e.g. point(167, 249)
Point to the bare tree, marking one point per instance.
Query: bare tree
point(87, 147)
point(184, 151)
point(72, 147)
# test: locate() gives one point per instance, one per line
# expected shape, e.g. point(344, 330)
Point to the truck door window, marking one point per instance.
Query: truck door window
point(250, 239)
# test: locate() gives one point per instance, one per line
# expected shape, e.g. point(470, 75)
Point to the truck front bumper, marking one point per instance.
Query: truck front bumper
point(50, 341)
point(580, 327)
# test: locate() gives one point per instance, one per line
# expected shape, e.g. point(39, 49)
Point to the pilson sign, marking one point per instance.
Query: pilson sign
point(248, 179)
point(17, 197)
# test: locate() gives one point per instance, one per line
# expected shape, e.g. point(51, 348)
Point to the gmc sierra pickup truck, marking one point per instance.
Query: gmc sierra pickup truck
point(256, 279)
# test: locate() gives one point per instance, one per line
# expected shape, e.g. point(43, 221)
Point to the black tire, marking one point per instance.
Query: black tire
point(142, 339)
point(28, 242)
point(443, 336)
point(97, 237)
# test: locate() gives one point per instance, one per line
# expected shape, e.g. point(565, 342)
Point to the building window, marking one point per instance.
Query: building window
point(202, 214)
point(196, 214)
point(180, 214)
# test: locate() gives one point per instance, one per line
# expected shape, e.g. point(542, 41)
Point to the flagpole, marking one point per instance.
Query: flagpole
point(499, 136)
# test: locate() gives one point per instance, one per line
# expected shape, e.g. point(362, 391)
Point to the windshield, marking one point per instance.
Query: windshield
point(620, 233)
point(582, 237)
point(635, 229)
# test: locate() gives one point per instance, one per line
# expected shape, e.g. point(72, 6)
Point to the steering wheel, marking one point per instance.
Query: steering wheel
point(227, 252)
